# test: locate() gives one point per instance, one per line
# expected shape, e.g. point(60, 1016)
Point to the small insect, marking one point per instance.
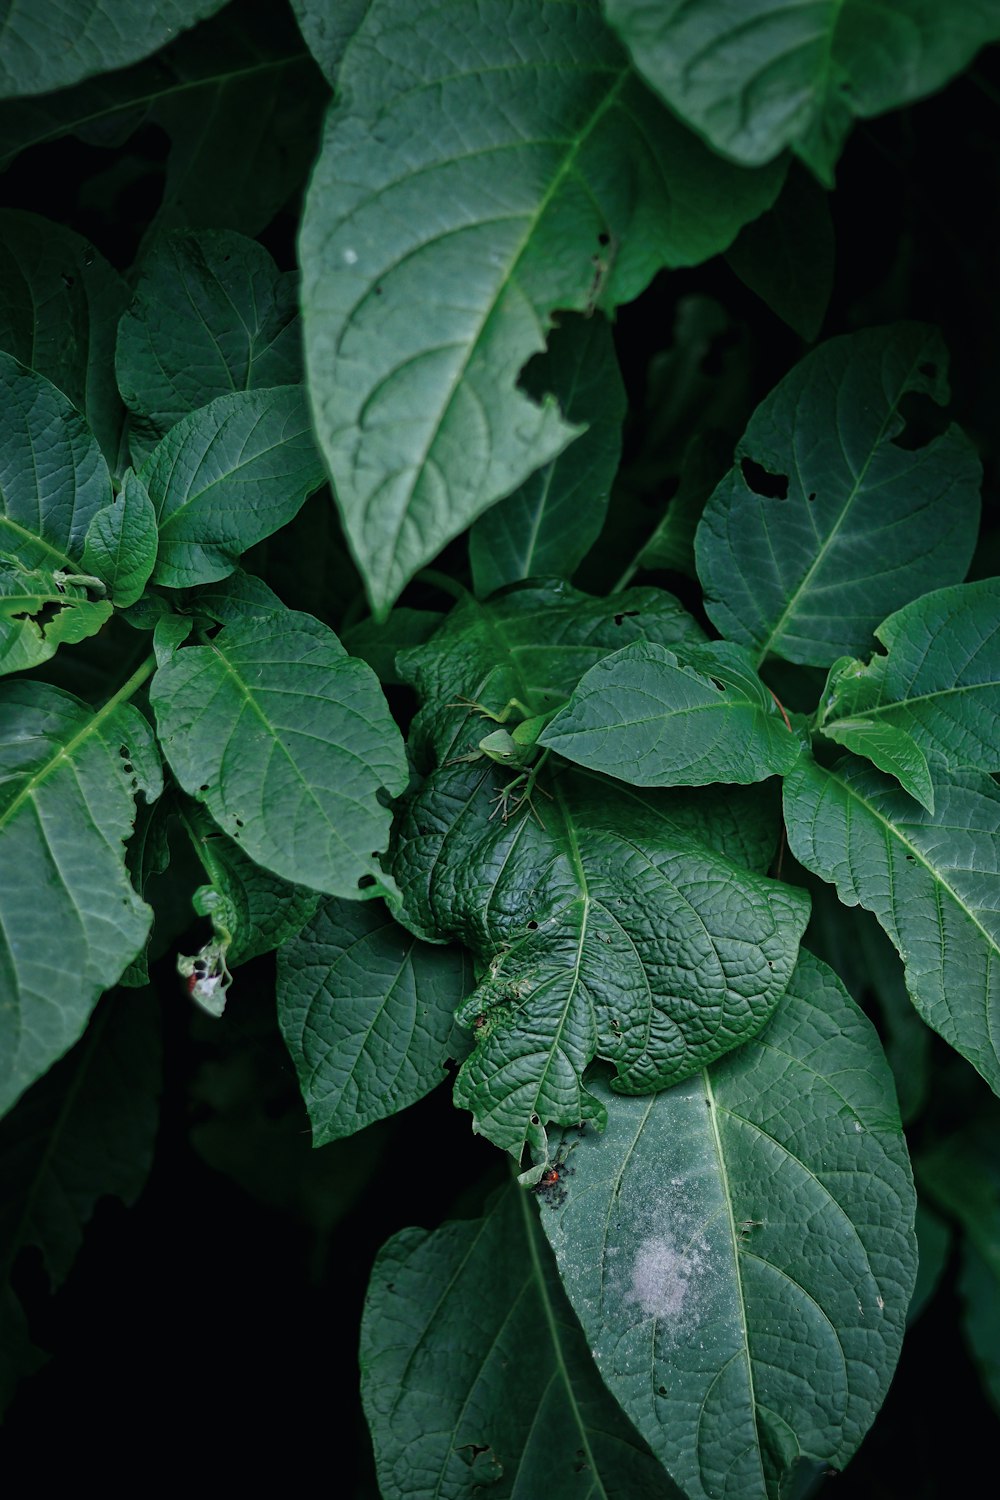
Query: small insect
point(206, 977)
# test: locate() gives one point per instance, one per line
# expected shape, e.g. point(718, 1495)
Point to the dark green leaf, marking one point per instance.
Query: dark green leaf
point(826, 521)
point(226, 476)
point(555, 904)
point(48, 44)
point(938, 684)
point(755, 79)
point(379, 645)
point(934, 1247)
point(211, 315)
point(931, 880)
point(979, 1287)
point(548, 525)
point(787, 255)
point(60, 302)
point(429, 281)
point(39, 614)
point(887, 746)
point(69, 918)
point(508, 1400)
point(121, 542)
point(288, 741)
point(740, 1249)
point(687, 717)
point(328, 29)
point(368, 1014)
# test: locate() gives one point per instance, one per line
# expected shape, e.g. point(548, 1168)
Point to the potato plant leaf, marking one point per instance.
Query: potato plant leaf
point(288, 741)
point(683, 717)
point(59, 304)
point(557, 907)
point(825, 520)
point(225, 477)
point(758, 77)
point(67, 805)
point(211, 315)
point(740, 1248)
point(368, 1014)
point(550, 523)
point(428, 283)
point(930, 879)
point(937, 685)
point(121, 542)
point(508, 1398)
point(38, 615)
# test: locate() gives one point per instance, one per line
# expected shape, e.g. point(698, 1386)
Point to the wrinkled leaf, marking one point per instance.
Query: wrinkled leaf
point(368, 1014)
point(825, 521)
point(688, 717)
point(67, 804)
point(59, 304)
point(508, 1400)
point(740, 1249)
point(49, 44)
point(931, 880)
point(937, 686)
point(288, 741)
point(548, 525)
point(38, 615)
point(758, 77)
point(226, 476)
point(211, 314)
point(121, 542)
point(429, 282)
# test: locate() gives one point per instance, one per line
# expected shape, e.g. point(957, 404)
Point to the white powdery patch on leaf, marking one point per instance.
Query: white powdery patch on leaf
point(663, 1276)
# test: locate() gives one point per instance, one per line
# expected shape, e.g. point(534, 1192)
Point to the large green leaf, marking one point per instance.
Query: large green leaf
point(225, 477)
point(760, 76)
point(938, 682)
point(605, 926)
point(85, 1130)
point(60, 302)
point(687, 717)
point(53, 478)
point(368, 1014)
point(476, 1378)
point(740, 1249)
point(39, 614)
point(69, 918)
point(826, 522)
point(931, 879)
point(121, 542)
point(212, 314)
point(288, 742)
point(48, 44)
point(548, 525)
point(461, 196)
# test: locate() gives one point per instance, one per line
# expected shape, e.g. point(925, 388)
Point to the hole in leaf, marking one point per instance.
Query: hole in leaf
point(661, 1390)
point(203, 787)
point(769, 486)
point(532, 926)
point(535, 1120)
point(923, 421)
point(811, 496)
point(717, 684)
point(67, 280)
point(365, 882)
point(238, 822)
point(604, 238)
point(626, 614)
point(42, 617)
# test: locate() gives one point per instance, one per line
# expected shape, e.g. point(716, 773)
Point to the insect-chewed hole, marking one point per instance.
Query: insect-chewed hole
point(604, 238)
point(535, 1120)
point(532, 926)
point(923, 421)
point(717, 684)
point(626, 614)
point(769, 486)
point(365, 882)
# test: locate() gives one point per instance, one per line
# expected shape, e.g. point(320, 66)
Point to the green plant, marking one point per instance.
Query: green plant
point(563, 837)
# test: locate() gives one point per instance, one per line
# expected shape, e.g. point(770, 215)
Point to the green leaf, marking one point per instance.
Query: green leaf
point(212, 314)
point(740, 1249)
point(547, 526)
point(225, 477)
point(931, 881)
point(962, 1175)
point(828, 517)
point(555, 906)
point(755, 79)
point(50, 44)
point(507, 1398)
point(121, 542)
point(787, 255)
point(251, 910)
point(687, 717)
point(979, 1288)
point(288, 742)
point(53, 478)
point(937, 686)
point(39, 614)
point(429, 281)
point(379, 644)
point(888, 747)
point(59, 304)
point(85, 1130)
point(368, 1015)
point(934, 1247)
point(67, 804)
point(328, 28)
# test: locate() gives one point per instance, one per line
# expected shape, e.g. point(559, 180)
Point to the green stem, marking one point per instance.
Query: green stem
point(132, 685)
